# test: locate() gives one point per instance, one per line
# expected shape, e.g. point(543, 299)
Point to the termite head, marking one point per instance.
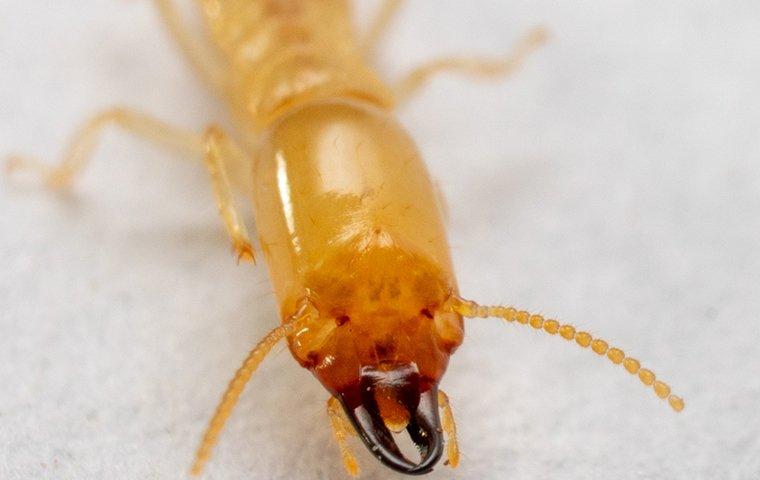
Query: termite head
point(381, 347)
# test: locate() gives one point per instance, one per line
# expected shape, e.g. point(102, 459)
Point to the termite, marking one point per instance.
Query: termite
point(348, 219)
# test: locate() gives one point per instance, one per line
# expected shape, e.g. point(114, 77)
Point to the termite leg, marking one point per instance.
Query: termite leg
point(413, 81)
point(470, 309)
point(83, 142)
point(216, 145)
point(379, 25)
point(236, 386)
point(219, 148)
point(342, 429)
point(201, 57)
point(450, 428)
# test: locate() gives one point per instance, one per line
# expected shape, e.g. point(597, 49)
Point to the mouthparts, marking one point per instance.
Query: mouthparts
point(423, 426)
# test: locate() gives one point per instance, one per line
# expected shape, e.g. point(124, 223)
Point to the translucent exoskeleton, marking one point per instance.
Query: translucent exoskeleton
point(346, 214)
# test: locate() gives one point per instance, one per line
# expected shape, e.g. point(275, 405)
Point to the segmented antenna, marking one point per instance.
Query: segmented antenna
point(238, 382)
point(471, 309)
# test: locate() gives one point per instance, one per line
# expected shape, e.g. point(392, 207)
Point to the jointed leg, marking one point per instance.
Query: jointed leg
point(217, 147)
point(200, 56)
point(342, 429)
point(220, 148)
point(81, 146)
point(480, 67)
point(379, 25)
point(450, 428)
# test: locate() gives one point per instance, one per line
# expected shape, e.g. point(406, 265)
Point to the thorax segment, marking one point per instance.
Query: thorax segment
point(282, 54)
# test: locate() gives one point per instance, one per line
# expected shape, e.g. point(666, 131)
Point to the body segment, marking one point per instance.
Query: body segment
point(282, 54)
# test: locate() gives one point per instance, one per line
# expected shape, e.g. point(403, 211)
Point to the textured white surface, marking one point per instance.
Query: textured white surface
point(614, 183)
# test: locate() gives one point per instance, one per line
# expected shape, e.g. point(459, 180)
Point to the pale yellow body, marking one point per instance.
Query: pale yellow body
point(282, 54)
point(333, 174)
point(347, 217)
point(345, 210)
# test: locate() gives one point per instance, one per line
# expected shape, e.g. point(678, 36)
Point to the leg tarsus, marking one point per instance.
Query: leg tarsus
point(84, 141)
point(450, 428)
point(341, 430)
point(219, 147)
point(412, 82)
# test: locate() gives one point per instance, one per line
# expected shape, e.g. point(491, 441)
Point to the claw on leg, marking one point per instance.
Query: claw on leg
point(244, 252)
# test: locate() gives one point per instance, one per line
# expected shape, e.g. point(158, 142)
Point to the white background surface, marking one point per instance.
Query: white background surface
point(613, 183)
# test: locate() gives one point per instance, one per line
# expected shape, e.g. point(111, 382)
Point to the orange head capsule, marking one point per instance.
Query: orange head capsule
point(382, 350)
